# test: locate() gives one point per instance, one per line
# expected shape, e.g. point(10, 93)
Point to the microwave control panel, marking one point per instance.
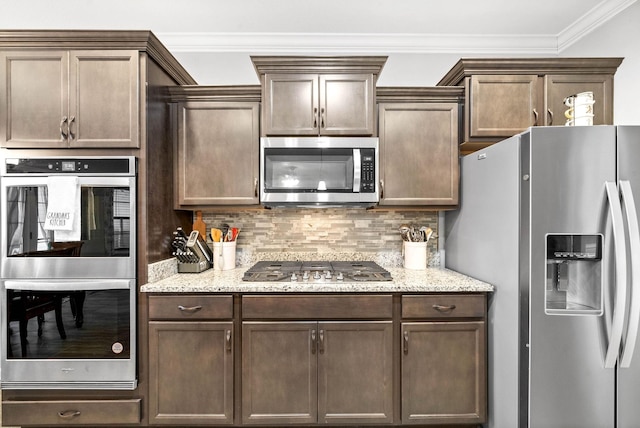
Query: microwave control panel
point(368, 168)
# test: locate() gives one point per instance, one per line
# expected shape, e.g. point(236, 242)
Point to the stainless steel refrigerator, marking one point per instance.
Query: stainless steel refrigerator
point(549, 218)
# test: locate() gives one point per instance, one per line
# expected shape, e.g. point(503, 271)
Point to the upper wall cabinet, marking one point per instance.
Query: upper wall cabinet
point(69, 99)
point(310, 96)
point(217, 146)
point(505, 96)
point(419, 146)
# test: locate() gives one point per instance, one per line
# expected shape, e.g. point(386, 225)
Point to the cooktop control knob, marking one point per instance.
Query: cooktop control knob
point(339, 276)
point(294, 277)
point(305, 275)
point(316, 275)
point(328, 275)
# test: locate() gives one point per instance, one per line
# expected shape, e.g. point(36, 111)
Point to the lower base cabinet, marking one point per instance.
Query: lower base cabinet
point(317, 372)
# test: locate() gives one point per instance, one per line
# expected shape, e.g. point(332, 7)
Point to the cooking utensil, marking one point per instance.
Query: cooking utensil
point(200, 225)
point(216, 235)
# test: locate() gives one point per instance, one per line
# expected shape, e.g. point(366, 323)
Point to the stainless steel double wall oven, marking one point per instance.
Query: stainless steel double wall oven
point(68, 304)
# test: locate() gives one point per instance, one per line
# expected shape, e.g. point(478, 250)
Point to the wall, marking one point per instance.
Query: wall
point(345, 230)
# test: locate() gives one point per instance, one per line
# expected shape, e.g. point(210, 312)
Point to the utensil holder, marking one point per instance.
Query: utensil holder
point(224, 255)
point(415, 255)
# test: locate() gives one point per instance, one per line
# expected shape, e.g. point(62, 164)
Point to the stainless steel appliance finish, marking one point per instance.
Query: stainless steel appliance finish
point(319, 171)
point(85, 288)
point(549, 218)
point(316, 272)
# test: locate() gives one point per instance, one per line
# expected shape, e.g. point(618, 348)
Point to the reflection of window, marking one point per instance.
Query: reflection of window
point(121, 220)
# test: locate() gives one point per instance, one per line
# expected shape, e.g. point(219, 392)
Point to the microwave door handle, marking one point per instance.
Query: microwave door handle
point(634, 257)
point(620, 260)
point(357, 170)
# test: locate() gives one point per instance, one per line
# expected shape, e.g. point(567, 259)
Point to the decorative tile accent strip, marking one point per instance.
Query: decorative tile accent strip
point(324, 234)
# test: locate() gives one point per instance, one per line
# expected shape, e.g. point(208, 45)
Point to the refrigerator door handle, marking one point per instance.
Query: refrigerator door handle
point(634, 256)
point(620, 254)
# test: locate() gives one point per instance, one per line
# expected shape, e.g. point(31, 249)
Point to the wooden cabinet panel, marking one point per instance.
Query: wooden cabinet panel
point(502, 105)
point(217, 154)
point(317, 307)
point(419, 154)
point(60, 99)
point(198, 307)
point(347, 104)
point(279, 373)
point(290, 104)
point(355, 372)
point(318, 104)
point(443, 373)
point(104, 99)
point(33, 98)
point(443, 306)
point(191, 373)
point(560, 86)
point(70, 412)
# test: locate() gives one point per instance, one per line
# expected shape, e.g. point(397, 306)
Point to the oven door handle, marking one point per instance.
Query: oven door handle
point(69, 285)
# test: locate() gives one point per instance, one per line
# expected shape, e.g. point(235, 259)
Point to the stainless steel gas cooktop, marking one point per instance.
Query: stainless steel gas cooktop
point(316, 272)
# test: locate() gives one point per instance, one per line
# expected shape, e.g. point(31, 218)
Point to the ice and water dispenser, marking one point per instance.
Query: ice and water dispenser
point(574, 274)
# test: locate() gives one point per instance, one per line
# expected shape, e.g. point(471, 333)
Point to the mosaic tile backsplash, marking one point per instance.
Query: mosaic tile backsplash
point(324, 231)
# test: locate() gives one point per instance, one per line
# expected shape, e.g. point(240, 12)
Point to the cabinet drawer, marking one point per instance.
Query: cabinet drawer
point(82, 412)
point(444, 306)
point(196, 307)
point(317, 307)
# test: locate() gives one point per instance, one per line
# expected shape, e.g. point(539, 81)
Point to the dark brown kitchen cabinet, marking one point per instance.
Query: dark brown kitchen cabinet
point(217, 156)
point(419, 146)
point(191, 351)
point(311, 96)
point(69, 99)
point(303, 367)
point(317, 104)
point(444, 372)
point(503, 97)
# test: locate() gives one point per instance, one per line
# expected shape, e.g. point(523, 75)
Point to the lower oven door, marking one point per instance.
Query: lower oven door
point(68, 334)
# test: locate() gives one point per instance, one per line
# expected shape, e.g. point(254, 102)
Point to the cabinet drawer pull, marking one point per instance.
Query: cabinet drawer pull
point(68, 414)
point(255, 187)
point(322, 117)
point(63, 134)
point(190, 309)
point(313, 341)
point(321, 342)
point(405, 342)
point(71, 120)
point(381, 189)
point(315, 117)
point(444, 308)
point(228, 340)
point(535, 115)
point(550, 113)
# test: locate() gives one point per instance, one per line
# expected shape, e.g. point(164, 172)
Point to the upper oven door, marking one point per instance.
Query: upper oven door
point(105, 244)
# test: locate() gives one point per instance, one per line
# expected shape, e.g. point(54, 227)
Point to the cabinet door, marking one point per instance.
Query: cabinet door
point(190, 372)
point(279, 373)
point(290, 104)
point(355, 371)
point(347, 104)
point(33, 99)
point(217, 154)
point(104, 99)
point(443, 373)
point(558, 87)
point(419, 154)
point(502, 105)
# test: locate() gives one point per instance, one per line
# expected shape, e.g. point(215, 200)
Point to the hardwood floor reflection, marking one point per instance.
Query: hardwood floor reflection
point(105, 325)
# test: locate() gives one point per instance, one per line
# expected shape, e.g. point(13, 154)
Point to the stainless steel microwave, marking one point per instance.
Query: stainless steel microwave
point(319, 171)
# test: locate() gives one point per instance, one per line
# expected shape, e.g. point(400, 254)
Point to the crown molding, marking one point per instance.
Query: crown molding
point(388, 43)
point(591, 20)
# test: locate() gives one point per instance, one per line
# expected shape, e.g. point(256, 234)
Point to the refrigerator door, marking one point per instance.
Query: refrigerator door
point(629, 377)
point(568, 385)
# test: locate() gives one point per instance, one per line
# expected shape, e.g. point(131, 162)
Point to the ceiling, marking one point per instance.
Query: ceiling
point(305, 26)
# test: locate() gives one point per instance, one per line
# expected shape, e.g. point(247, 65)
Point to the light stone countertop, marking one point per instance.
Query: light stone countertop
point(433, 279)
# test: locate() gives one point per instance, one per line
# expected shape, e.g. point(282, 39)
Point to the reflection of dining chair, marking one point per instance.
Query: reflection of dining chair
point(25, 305)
